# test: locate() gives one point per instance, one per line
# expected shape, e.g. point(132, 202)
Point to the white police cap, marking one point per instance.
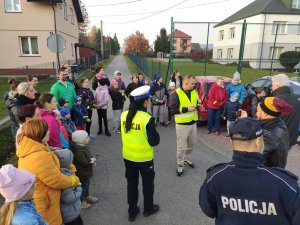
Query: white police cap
point(141, 92)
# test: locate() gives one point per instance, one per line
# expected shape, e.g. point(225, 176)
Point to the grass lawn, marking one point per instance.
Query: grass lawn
point(132, 67)
point(7, 147)
point(195, 68)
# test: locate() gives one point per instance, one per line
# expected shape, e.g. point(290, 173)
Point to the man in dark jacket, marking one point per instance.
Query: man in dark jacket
point(246, 192)
point(276, 137)
point(281, 89)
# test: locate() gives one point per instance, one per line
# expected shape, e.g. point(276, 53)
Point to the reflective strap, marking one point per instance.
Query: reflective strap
point(186, 115)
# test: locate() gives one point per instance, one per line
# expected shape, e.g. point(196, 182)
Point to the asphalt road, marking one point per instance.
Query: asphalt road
point(177, 196)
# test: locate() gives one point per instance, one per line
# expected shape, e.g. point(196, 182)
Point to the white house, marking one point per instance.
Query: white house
point(262, 18)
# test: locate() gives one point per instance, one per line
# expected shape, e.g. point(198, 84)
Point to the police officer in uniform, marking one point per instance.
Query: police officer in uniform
point(246, 192)
point(139, 135)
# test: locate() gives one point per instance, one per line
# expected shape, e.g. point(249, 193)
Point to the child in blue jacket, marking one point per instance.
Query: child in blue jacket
point(80, 114)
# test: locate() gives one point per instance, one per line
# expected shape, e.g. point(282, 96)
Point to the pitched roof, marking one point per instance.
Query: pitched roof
point(262, 7)
point(180, 34)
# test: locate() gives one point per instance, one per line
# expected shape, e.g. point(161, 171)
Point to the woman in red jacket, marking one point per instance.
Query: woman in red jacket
point(217, 97)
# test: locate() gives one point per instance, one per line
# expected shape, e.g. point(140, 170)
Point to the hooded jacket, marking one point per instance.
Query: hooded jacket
point(292, 120)
point(13, 109)
point(276, 142)
point(217, 97)
point(239, 88)
point(159, 92)
point(53, 126)
point(37, 158)
point(102, 97)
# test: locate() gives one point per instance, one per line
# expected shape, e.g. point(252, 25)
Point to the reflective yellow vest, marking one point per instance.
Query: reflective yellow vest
point(136, 147)
point(185, 102)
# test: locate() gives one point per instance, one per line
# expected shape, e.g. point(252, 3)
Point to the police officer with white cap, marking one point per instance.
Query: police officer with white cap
point(246, 192)
point(139, 135)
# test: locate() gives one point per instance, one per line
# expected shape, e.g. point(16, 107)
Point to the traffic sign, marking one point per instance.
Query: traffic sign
point(56, 43)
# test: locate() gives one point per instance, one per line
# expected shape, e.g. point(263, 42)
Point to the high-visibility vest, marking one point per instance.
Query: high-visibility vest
point(186, 102)
point(136, 147)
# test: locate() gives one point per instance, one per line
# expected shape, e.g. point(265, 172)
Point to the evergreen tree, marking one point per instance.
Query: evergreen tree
point(162, 42)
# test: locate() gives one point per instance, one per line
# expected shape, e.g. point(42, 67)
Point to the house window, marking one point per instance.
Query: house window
point(12, 6)
point(277, 52)
point(282, 27)
point(221, 35)
point(231, 33)
point(219, 53)
point(72, 49)
point(184, 48)
point(29, 46)
point(230, 53)
point(65, 11)
point(296, 4)
point(184, 41)
point(297, 49)
point(72, 15)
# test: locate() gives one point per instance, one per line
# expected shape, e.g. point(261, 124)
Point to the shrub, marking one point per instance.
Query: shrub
point(289, 60)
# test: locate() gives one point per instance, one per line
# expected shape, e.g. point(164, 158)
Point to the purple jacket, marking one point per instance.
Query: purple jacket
point(102, 97)
point(54, 127)
point(121, 85)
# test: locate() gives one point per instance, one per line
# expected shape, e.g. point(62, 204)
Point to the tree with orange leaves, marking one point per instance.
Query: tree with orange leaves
point(136, 44)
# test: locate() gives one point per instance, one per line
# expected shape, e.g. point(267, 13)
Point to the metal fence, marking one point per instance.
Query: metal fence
point(49, 68)
point(211, 48)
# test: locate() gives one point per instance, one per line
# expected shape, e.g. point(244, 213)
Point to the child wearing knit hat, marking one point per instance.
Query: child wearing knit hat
point(231, 109)
point(80, 114)
point(66, 120)
point(17, 187)
point(70, 203)
point(84, 162)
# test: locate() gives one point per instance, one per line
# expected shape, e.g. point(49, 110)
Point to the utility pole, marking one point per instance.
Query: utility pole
point(101, 31)
point(109, 45)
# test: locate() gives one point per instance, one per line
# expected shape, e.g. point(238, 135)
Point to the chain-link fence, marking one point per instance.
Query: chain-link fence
point(49, 69)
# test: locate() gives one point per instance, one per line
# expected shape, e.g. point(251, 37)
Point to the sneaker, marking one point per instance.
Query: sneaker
point(131, 217)
point(163, 124)
point(217, 133)
point(188, 163)
point(118, 131)
point(208, 131)
point(168, 122)
point(107, 133)
point(154, 210)
point(91, 199)
point(227, 135)
point(114, 131)
point(99, 132)
point(179, 170)
point(85, 205)
point(92, 137)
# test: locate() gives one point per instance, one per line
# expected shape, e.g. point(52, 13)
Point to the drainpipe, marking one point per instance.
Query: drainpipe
point(55, 32)
point(262, 41)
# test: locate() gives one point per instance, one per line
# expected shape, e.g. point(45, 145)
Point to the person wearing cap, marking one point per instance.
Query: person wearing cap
point(80, 114)
point(17, 187)
point(63, 87)
point(159, 95)
point(276, 137)
point(281, 89)
point(63, 103)
point(230, 110)
point(245, 191)
point(67, 122)
point(237, 86)
point(184, 103)
point(121, 84)
point(139, 135)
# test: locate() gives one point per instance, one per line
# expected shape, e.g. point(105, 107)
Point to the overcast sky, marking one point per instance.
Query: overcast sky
point(116, 19)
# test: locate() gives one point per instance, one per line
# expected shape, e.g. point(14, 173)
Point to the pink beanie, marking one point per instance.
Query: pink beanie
point(14, 183)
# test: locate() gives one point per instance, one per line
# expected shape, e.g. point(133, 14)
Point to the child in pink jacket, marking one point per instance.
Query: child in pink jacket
point(102, 98)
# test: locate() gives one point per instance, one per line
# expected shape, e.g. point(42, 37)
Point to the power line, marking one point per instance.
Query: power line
point(133, 14)
point(146, 17)
point(170, 8)
point(120, 3)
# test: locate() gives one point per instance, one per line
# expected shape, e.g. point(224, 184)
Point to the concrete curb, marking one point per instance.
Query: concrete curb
point(4, 123)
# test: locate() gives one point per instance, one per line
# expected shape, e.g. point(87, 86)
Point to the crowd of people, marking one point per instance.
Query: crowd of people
point(53, 130)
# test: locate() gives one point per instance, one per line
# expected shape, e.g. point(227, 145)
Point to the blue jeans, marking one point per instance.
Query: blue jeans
point(214, 118)
point(85, 184)
point(117, 117)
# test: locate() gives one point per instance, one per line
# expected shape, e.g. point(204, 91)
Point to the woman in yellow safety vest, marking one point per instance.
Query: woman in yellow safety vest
point(139, 135)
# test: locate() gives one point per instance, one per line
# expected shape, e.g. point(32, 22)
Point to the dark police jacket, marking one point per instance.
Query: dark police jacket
point(245, 192)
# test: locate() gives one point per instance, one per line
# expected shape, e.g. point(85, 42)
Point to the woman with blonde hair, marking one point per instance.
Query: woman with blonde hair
point(17, 187)
point(35, 157)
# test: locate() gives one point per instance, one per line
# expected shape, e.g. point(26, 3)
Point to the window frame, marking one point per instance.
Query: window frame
point(295, 4)
point(298, 31)
point(29, 46)
point(72, 15)
point(14, 10)
point(276, 55)
point(219, 56)
point(229, 50)
point(281, 24)
point(221, 35)
point(297, 49)
point(65, 9)
point(231, 33)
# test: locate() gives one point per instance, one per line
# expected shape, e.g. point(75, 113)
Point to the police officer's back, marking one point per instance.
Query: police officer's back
point(244, 191)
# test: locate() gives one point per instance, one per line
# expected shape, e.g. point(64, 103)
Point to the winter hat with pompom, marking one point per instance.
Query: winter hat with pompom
point(275, 107)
